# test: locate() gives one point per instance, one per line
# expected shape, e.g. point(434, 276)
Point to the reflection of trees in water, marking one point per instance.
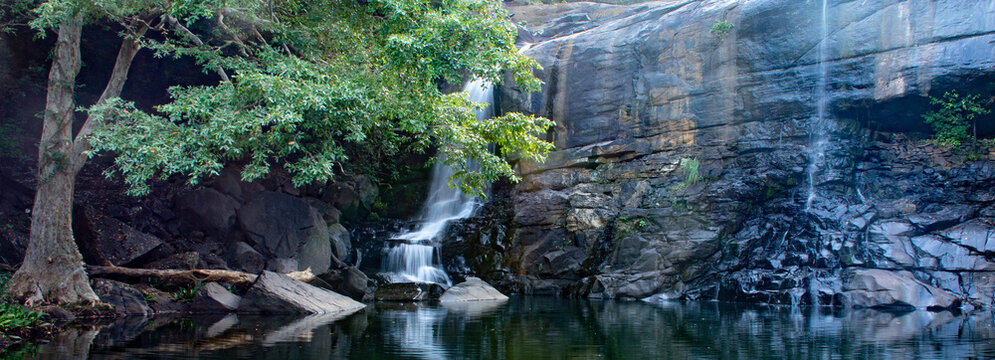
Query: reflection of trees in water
point(548, 328)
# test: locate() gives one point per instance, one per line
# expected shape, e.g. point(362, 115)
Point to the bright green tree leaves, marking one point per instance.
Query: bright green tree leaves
point(318, 84)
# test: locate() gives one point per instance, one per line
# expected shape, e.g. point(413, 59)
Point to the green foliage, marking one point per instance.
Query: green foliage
point(185, 294)
point(689, 167)
point(320, 86)
point(952, 116)
point(13, 317)
point(625, 226)
point(721, 28)
point(13, 12)
point(149, 298)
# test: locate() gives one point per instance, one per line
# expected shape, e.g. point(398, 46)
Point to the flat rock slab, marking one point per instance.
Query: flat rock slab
point(408, 292)
point(473, 289)
point(274, 293)
point(883, 289)
point(215, 298)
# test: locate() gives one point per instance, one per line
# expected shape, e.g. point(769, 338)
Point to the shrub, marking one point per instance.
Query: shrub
point(952, 116)
point(721, 28)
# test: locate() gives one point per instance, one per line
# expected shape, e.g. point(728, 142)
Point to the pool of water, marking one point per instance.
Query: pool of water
point(544, 328)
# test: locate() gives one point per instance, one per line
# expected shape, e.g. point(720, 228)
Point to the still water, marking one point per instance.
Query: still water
point(545, 328)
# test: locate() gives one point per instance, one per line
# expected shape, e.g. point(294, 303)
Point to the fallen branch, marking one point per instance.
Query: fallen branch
point(233, 277)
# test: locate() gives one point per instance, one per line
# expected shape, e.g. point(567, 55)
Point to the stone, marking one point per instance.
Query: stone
point(636, 90)
point(106, 240)
point(126, 299)
point(883, 289)
point(351, 282)
point(341, 244)
point(242, 256)
point(473, 289)
point(977, 234)
point(282, 265)
point(214, 298)
point(284, 226)
point(182, 261)
point(274, 293)
point(408, 292)
point(209, 210)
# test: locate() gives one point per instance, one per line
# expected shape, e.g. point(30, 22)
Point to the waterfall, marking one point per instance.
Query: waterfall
point(818, 133)
point(413, 255)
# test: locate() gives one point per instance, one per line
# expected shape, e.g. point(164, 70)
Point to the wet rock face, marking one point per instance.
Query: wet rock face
point(640, 92)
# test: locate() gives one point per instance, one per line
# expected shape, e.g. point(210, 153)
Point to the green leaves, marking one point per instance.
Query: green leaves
point(323, 85)
point(13, 317)
point(952, 116)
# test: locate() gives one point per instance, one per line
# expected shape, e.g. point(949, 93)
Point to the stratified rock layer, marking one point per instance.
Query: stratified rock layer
point(645, 95)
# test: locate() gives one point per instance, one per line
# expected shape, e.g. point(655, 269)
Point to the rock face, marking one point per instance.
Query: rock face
point(279, 294)
point(644, 96)
point(285, 226)
point(473, 289)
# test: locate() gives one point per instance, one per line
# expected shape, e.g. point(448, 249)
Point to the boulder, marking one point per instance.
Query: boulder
point(341, 244)
point(351, 282)
point(284, 226)
point(883, 289)
point(274, 293)
point(106, 240)
point(408, 292)
point(209, 210)
point(182, 261)
point(281, 265)
point(214, 298)
point(243, 257)
point(473, 289)
point(126, 299)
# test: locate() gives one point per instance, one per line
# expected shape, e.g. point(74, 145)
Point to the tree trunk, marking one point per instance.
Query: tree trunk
point(52, 270)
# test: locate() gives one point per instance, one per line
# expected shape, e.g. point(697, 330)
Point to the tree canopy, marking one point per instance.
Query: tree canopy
point(311, 85)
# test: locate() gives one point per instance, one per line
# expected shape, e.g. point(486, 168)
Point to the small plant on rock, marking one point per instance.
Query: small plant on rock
point(689, 167)
point(187, 294)
point(721, 28)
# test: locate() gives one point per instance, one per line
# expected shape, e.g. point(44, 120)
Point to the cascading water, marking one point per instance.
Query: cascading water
point(413, 255)
point(818, 133)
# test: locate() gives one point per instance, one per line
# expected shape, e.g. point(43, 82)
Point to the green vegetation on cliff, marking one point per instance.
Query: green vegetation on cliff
point(953, 117)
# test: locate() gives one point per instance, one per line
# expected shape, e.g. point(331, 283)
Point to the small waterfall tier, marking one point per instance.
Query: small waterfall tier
point(413, 256)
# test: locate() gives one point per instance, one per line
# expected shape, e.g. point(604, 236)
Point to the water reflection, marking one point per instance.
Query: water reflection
point(546, 328)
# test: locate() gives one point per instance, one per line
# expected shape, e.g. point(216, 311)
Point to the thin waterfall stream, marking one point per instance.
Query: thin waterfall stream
point(817, 131)
point(412, 256)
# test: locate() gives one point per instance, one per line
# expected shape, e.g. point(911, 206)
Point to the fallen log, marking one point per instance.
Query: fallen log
point(186, 277)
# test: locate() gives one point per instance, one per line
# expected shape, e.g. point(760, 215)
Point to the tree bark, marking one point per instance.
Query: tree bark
point(52, 270)
point(125, 56)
